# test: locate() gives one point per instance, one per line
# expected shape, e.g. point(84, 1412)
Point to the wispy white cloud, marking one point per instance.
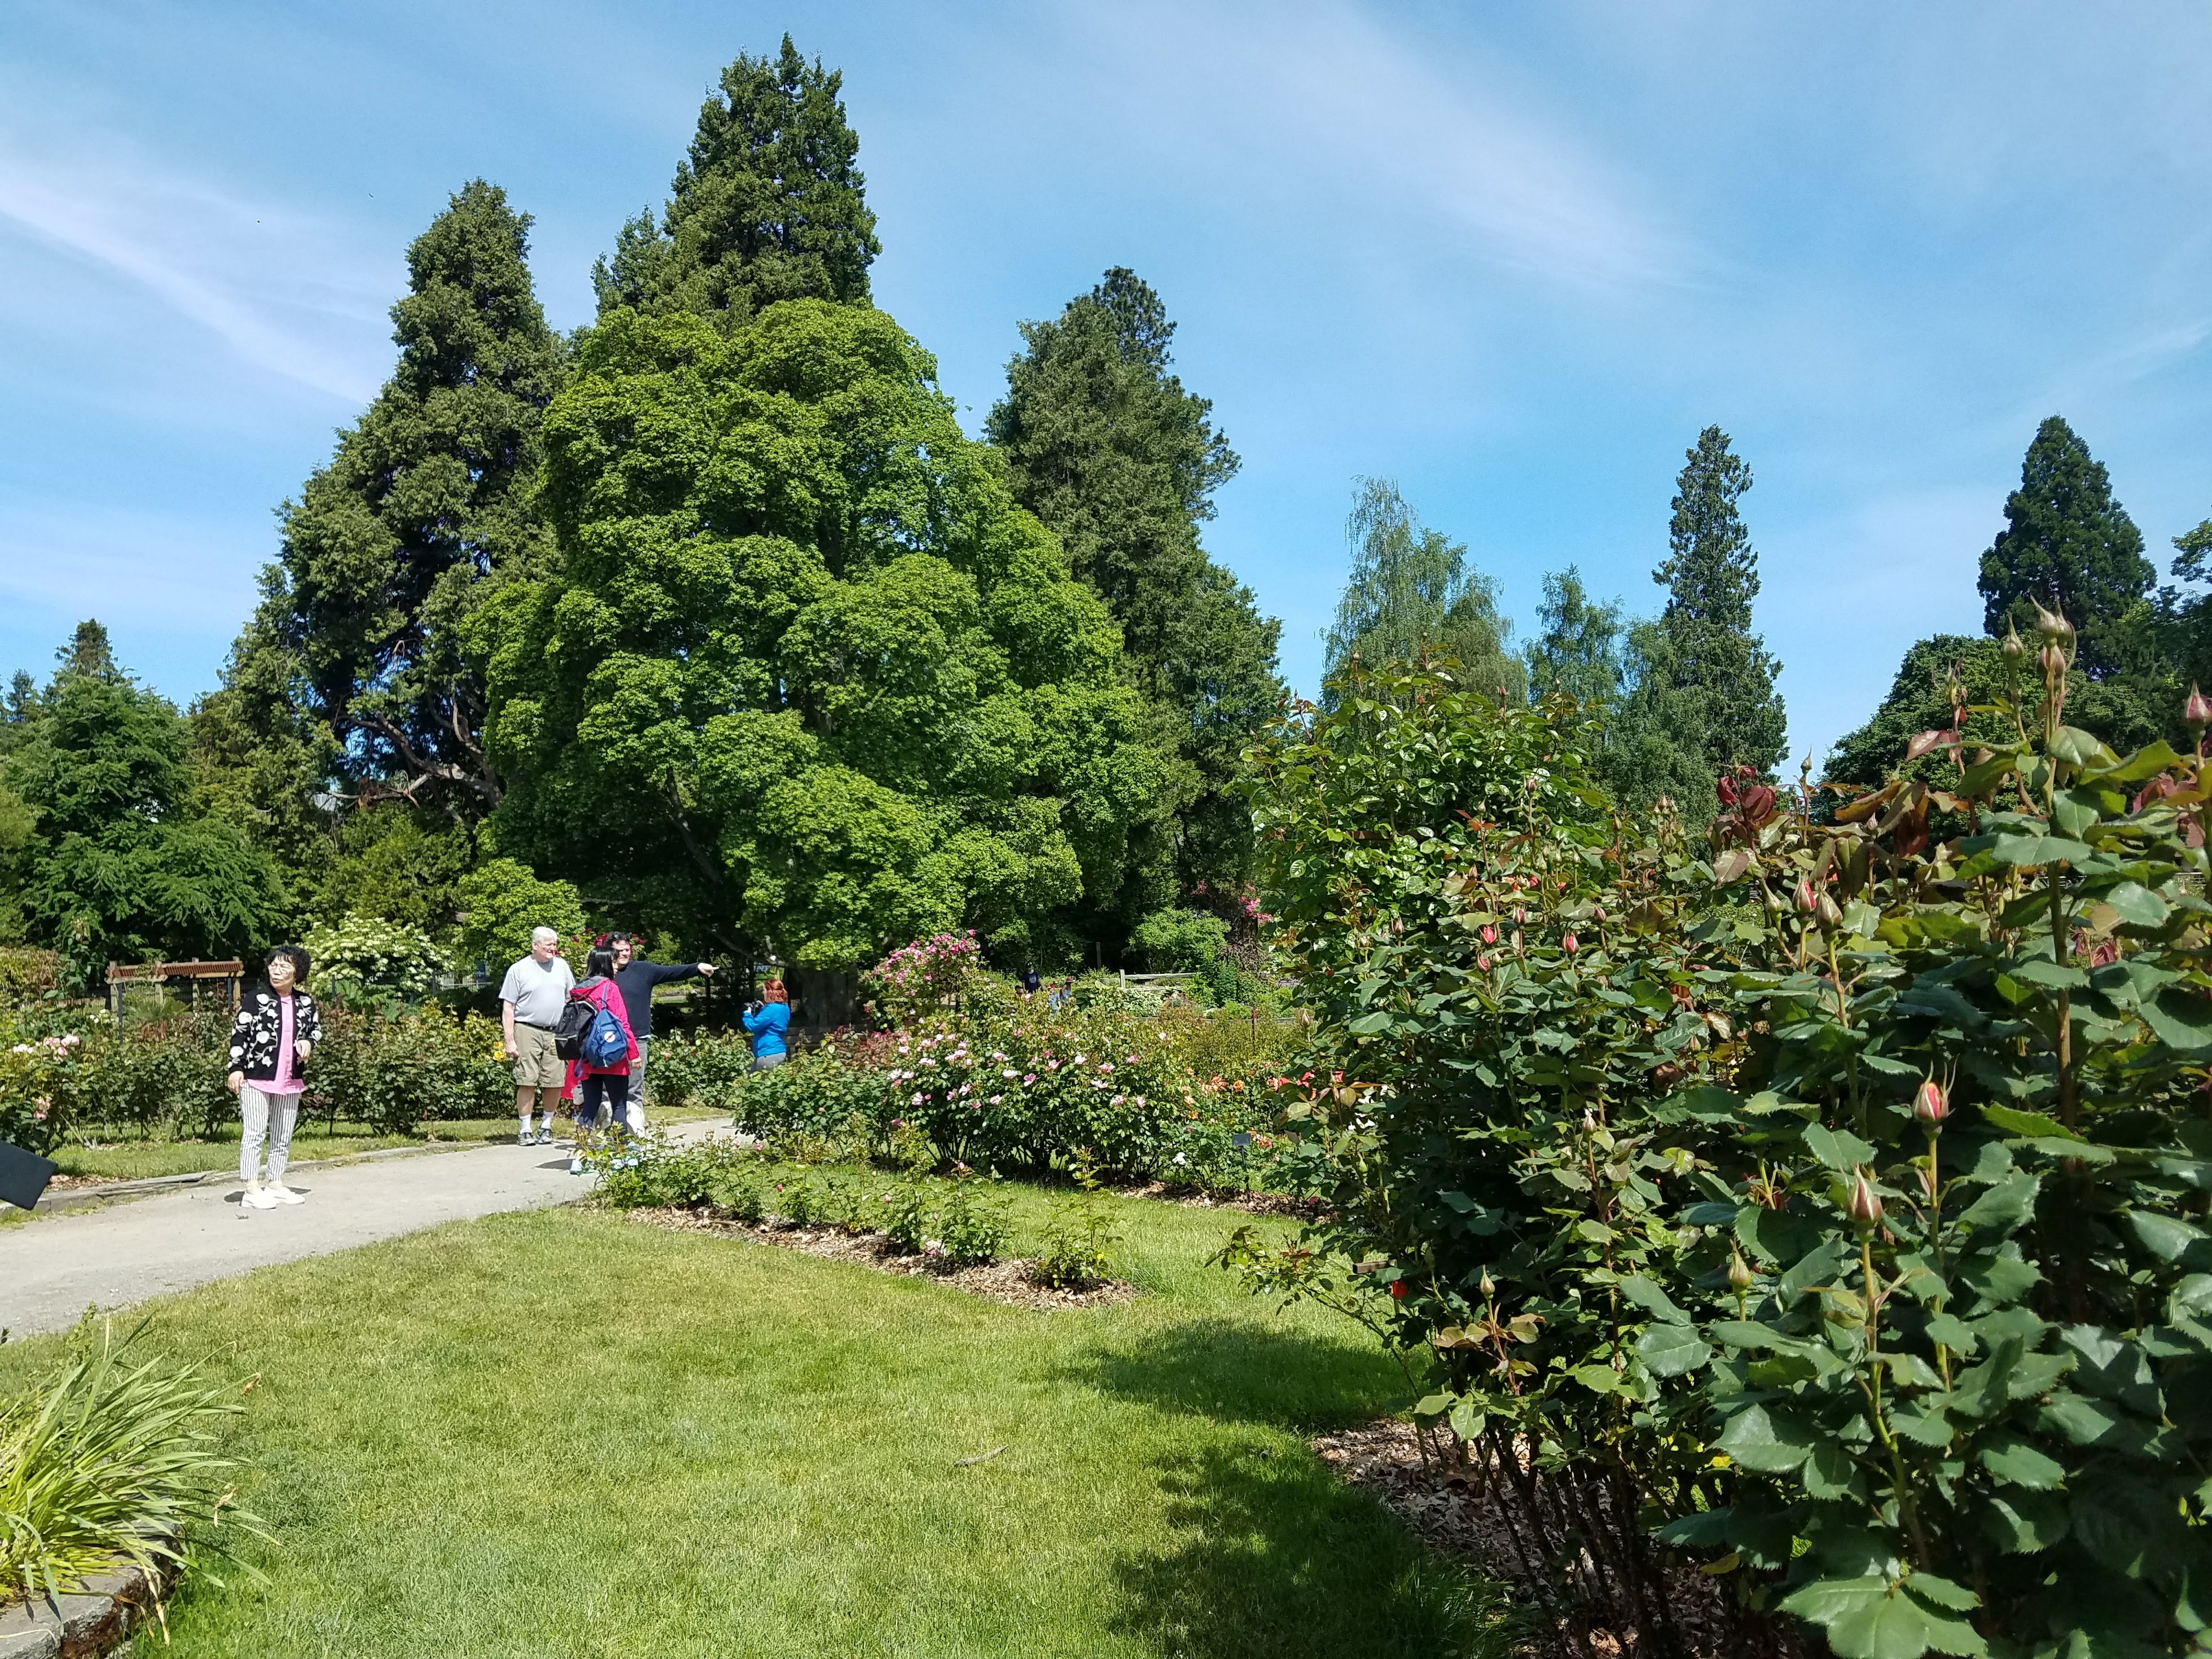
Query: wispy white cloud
point(1328, 105)
point(277, 289)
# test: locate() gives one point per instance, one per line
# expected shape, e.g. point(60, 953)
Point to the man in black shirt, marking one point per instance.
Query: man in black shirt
point(635, 979)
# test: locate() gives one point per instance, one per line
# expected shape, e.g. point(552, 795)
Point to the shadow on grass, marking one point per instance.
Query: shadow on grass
point(1242, 1372)
point(1275, 1556)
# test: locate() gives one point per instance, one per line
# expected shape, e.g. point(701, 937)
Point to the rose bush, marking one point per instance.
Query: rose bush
point(1822, 1205)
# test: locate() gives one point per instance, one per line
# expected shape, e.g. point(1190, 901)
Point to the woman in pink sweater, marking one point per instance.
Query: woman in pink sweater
point(598, 1090)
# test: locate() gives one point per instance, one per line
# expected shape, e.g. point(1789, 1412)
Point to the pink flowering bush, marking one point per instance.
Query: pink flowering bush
point(36, 1084)
point(929, 977)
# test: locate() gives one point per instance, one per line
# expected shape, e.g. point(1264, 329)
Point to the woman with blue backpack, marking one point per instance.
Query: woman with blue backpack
point(594, 1038)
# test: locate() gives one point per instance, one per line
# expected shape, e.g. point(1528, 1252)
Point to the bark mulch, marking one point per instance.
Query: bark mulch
point(1450, 1509)
point(1006, 1281)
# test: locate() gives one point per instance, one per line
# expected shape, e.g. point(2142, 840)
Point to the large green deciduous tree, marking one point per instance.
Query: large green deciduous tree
point(115, 865)
point(1105, 445)
point(1412, 591)
point(1702, 694)
point(2068, 546)
point(766, 206)
point(1579, 653)
point(808, 679)
point(426, 505)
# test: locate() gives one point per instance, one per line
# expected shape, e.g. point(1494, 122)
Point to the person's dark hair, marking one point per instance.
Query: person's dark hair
point(297, 955)
point(772, 991)
point(600, 964)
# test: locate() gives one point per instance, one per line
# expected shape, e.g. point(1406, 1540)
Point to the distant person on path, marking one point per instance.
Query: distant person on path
point(766, 1022)
point(1030, 983)
point(276, 1028)
point(637, 978)
point(599, 1086)
point(530, 999)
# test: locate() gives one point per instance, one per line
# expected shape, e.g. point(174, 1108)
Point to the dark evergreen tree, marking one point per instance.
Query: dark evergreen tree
point(1579, 653)
point(1412, 592)
point(1702, 692)
point(2068, 546)
point(357, 668)
point(114, 864)
point(766, 206)
point(1105, 445)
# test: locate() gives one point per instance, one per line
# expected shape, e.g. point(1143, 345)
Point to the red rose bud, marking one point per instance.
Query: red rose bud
point(2197, 711)
point(1569, 945)
point(1865, 1203)
point(1489, 934)
point(2051, 660)
point(1929, 1106)
point(1806, 898)
point(1483, 962)
point(1398, 1290)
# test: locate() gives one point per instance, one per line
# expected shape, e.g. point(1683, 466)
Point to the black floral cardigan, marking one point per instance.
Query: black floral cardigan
point(260, 1022)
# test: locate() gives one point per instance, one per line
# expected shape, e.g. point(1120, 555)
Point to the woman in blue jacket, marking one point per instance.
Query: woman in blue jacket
point(766, 1022)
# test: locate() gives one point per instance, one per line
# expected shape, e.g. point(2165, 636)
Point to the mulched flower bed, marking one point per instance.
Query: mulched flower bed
point(1006, 1281)
point(1448, 1508)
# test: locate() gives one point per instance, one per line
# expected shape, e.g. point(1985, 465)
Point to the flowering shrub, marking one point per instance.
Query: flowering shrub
point(1827, 1196)
point(36, 1085)
point(363, 955)
point(926, 977)
point(390, 1071)
point(1013, 1085)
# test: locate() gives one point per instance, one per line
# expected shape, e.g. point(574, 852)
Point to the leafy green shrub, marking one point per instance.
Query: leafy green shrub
point(1079, 1249)
point(1828, 1194)
point(112, 1456)
point(971, 1228)
point(688, 1069)
point(906, 1217)
point(801, 1202)
point(393, 1070)
point(1179, 941)
point(363, 957)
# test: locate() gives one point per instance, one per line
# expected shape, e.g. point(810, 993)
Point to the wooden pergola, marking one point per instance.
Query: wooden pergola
point(121, 975)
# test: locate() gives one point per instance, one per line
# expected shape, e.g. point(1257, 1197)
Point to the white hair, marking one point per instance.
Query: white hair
point(545, 936)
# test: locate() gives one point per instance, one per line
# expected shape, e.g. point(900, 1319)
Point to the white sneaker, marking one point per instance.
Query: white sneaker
point(285, 1195)
point(258, 1197)
point(575, 1166)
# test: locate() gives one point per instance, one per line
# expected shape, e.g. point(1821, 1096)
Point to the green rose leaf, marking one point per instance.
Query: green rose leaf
point(1671, 1350)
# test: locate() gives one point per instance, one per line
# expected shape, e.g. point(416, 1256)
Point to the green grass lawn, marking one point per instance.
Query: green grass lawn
point(563, 1433)
point(128, 1159)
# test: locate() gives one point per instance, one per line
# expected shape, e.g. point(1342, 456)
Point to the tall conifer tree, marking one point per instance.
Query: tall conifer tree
point(766, 206)
point(1702, 695)
point(2068, 546)
point(356, 664)
point(1105, 445)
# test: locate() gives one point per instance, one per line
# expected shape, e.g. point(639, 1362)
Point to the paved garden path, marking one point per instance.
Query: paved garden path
point(124, 1253)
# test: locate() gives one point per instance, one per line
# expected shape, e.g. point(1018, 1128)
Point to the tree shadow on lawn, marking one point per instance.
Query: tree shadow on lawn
point(1276, 1556)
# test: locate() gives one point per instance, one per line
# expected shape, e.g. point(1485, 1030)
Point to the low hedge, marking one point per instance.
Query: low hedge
point(72, 1067)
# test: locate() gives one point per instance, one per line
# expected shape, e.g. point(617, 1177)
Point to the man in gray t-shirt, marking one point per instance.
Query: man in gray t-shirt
point(530, 999)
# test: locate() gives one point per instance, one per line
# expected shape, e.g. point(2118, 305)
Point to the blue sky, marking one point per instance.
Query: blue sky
point(1513, 256)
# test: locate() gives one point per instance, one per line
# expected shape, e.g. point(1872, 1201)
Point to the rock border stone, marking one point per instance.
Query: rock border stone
point(96, 1619)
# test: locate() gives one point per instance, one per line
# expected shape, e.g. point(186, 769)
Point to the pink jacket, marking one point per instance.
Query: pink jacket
point(600, 993)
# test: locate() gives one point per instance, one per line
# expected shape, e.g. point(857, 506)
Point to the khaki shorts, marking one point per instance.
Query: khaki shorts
point(535, 1064)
